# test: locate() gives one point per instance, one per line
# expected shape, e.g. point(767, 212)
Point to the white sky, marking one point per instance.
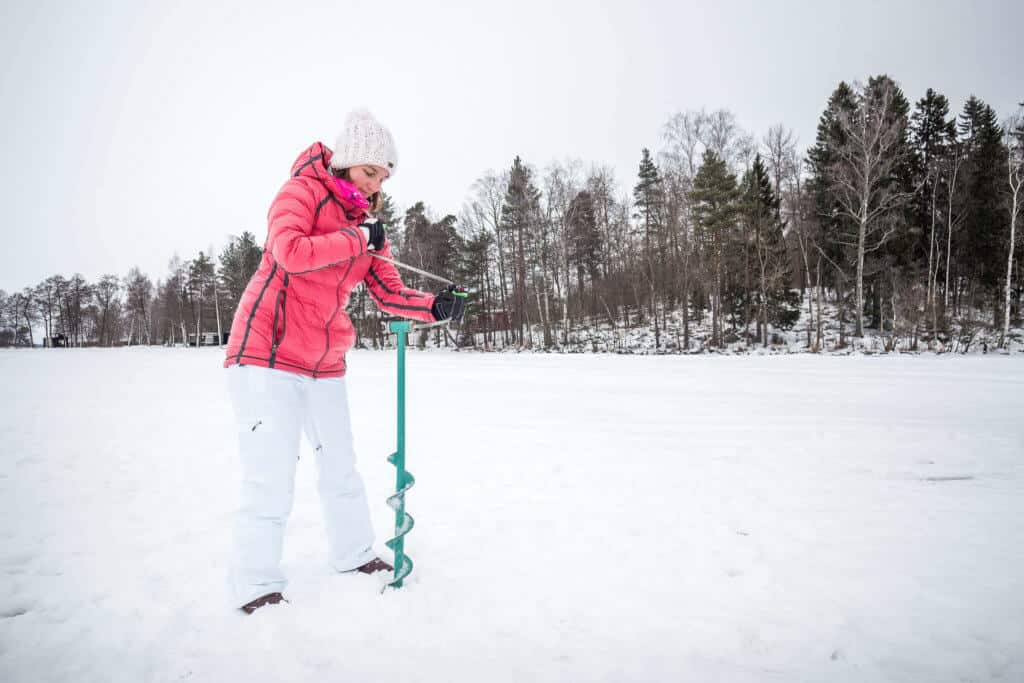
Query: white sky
point(134, 130)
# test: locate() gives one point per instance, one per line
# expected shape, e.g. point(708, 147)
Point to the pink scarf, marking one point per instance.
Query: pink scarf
point(349, 192)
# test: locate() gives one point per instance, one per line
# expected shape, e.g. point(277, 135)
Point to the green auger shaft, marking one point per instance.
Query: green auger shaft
point(403, 479)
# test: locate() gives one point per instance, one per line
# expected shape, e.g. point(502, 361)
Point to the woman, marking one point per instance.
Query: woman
point(286, 354)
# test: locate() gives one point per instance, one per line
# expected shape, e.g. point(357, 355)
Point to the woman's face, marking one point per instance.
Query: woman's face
point(367, 179)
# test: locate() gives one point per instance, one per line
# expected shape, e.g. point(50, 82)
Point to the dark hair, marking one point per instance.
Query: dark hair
point(376, 201)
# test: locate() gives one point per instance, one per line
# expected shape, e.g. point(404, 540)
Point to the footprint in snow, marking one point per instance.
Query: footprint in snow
point(13, 610)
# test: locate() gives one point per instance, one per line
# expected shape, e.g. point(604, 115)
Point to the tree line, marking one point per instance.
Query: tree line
point(901, 220)
point(197, 296)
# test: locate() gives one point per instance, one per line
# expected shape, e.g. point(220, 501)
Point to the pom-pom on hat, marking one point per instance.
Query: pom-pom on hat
point(363, 140)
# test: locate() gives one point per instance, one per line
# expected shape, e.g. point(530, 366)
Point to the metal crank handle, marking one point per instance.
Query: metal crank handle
point(414, 269)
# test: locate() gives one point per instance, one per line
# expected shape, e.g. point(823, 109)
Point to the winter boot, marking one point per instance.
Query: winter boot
point(268, 599)
point(375, 565)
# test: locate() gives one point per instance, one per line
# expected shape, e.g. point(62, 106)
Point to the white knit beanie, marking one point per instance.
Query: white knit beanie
point(363, 140)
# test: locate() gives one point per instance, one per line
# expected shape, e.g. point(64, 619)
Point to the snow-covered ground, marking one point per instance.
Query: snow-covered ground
point(579, 518)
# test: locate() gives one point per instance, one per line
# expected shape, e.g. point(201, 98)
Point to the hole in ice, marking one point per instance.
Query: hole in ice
point(11, 612)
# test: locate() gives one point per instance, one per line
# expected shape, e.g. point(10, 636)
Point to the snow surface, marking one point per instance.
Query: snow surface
point(579, 518)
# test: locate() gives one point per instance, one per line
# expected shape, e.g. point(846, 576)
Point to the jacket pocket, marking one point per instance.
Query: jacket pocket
point(280, 326)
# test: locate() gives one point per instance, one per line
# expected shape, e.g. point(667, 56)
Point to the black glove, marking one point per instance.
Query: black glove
point(376, 237)
point(450, 302)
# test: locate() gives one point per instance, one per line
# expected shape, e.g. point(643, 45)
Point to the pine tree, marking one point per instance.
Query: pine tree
point(434, 246)
point(518, 217)
point(46, 304)
point(174, 295)
point(761, 217)
point(7, 334)
point(414, 223)
point(715, 197)
point(238, 261)
point(447, 247)
point(74, 295)
point(367, 319)
point(200, 290)
point(476, 276)
point(107, 292)
point(584, 240)
point(138, 293)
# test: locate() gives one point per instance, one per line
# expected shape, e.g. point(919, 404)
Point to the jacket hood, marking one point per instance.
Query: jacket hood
point(314, 163)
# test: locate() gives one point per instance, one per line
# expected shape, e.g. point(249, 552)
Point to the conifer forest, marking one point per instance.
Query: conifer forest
point(899, 222)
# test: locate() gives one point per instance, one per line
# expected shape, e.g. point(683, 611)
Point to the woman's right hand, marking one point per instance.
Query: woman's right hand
point(373, 230)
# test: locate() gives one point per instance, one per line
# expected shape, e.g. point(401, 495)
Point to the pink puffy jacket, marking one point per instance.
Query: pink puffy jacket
point(292, 314)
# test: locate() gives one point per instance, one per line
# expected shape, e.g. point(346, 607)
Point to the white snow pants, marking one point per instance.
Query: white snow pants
point(272, 409)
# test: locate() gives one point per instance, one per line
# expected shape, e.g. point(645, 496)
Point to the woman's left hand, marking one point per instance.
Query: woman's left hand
point(450, 303)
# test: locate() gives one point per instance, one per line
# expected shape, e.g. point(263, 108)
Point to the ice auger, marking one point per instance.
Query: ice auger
point(403, 477)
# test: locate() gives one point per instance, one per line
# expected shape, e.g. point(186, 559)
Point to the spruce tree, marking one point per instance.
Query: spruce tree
point(648, 196)
point(388, 215)
point(238, 261)
point(834, 222)
point(475, 274)
point(200, 290)
point(986, 221)
point(897, 253)
point(932, 130)
point(933, 135)
point(367, 320)
point(414, 223)
point(447, 247)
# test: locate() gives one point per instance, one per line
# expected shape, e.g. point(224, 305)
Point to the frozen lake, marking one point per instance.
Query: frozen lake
point(579, 518)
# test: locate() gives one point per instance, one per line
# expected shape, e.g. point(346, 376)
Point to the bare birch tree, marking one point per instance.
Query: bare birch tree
point(725, 137)
point(863, 173)
point(106, 292)
point(1015, 177)
point(953, 165)
point(780, 154)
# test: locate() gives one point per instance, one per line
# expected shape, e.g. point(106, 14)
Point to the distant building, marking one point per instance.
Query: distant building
point(59, 341)
point(492, 320)
point(207, 339)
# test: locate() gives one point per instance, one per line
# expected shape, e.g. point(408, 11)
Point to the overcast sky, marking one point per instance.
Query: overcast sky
point(134, 130)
